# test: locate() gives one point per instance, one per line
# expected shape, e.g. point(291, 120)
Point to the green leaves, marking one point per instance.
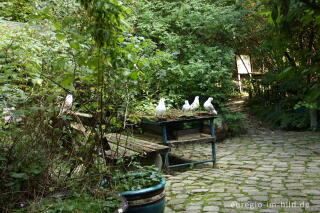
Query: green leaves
point(132, 75)
point(75, 45)
point(287, 73)
point(19, 175)
point(37, 81)
point(275, 14)
point(78, 202)
point(60, 36)
point(189, 46)
point(67, 83)
point(106, 22)
point(143, 177)
point(290, 85)
point(313, 96)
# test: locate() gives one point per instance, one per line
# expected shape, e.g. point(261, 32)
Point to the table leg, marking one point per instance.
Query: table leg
point(212, 127)
point(213, 149)
point(165, 142)
point(213, 143)
point(164, 135)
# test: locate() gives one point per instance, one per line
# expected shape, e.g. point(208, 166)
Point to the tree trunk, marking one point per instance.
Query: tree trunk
point(313, 119)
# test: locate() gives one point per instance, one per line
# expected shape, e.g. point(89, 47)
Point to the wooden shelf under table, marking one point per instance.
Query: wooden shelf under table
point(204, 138)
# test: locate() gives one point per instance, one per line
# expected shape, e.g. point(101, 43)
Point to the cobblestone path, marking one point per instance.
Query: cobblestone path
point(262, 171)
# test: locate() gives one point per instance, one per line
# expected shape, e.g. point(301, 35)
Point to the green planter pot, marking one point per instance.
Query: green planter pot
point(148, 200)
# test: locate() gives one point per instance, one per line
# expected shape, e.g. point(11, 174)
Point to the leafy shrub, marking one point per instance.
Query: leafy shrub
point(39, 64)
point(280, 115)
point(141, 178)
point(24, 163)
point(75, 203)
point(232, 123)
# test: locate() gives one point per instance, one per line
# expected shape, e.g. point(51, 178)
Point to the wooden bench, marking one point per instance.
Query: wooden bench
point(126, 146)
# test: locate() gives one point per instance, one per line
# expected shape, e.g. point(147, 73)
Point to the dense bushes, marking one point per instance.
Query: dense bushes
point(39, 65)
point(197, 36)
point(289, 90)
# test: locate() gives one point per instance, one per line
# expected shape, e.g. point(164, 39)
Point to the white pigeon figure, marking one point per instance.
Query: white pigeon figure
point(186, 107)
point(209, 107)
point(67, 105)
point(161, 108)
point(195, 105)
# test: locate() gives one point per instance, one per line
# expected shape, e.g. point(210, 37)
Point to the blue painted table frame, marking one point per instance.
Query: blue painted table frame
point(164, 126)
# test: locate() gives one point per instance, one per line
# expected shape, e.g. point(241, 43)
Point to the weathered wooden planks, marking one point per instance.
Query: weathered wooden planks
point(136, 145)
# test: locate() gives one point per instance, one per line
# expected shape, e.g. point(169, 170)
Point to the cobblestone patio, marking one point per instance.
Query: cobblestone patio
point(262, 171)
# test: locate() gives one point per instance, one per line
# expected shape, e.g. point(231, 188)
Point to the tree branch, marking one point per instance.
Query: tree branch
point(291, 60)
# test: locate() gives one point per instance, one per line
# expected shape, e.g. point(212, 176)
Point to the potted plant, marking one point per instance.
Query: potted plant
point(144, 189)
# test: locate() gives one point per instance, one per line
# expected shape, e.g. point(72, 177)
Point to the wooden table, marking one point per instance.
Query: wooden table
point(165, 125)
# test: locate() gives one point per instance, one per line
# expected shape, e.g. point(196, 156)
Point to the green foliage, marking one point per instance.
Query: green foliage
point(75, 203)
point(106, 20)
point(140, 178)
point(39, 64)
point(16, 10)
point(232, 123)
point(290, 54)
point(25, 145)
point(196, 36)
point(280, 115)
point(25, 159)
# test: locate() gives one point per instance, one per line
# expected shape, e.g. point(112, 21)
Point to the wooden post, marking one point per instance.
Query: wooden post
point(239, 80)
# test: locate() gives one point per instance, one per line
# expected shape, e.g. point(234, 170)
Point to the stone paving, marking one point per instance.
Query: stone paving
point(262, 171)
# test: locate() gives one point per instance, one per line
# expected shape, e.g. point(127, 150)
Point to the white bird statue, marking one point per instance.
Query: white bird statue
point(186, 107)
point(161, 108)
point(209, 107)
point(67, 105)
point(195, 105)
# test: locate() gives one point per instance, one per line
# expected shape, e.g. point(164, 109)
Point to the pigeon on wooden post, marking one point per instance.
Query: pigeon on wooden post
point(67, 105)
point(186, 107)
point(209, 107)
point(161, 108)
point(195, 105)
